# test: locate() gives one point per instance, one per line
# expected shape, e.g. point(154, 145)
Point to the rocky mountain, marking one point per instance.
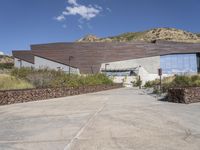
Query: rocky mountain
point(168, 34)
point(89, 38)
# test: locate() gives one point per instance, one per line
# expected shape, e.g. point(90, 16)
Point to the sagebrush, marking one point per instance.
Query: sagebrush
point(52, 78)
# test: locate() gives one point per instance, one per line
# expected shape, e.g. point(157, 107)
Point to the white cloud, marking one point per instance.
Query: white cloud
point(81, 21)
point(60, 18)
point(84, 11)
point(98, 7)
point(73, 2)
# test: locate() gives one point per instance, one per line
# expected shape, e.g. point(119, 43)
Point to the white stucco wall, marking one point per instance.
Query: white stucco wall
point(146, 76)
point(127, 81)
point(45, 63)
point(23, 63)
point(150, 64)
point(147, 68)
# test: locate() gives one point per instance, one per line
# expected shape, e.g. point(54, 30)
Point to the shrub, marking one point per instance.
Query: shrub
point(175, 81)
point(6, 65)
point(40, 79)
point(65, 80)
point(76, 80)
point(137, 83)
point(21, 73)
point(52, 78)
point(148, 84)
point(151, 84)
point(156, 91)
point(181, 81)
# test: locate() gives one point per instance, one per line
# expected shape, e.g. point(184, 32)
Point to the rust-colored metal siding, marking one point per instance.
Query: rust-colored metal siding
point(92, 55)
point(25, 55)
point(87, 55)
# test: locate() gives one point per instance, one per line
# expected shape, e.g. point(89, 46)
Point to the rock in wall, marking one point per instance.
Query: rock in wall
point(184, 95)
point(21, 96)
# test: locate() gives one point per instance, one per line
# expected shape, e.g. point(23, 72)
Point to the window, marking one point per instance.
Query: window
point(120, 72)
point(179, 63)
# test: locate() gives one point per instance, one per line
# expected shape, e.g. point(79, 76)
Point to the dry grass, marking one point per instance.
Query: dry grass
point(8, 82)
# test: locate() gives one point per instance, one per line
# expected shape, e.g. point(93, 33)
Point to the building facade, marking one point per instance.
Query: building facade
point(120, 60)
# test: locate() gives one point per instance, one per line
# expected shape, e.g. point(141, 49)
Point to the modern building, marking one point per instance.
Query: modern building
point(121, 60)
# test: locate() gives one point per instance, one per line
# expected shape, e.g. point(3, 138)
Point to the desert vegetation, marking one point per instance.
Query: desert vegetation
point(9, 82)
point(31, 78)
point(6, 66)
point(174, 81)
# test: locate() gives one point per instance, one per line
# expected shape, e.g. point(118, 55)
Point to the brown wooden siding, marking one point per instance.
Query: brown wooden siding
point(87, 55)
point(24, 55)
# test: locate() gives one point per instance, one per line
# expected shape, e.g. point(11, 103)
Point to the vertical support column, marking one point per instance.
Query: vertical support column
point(160, 74)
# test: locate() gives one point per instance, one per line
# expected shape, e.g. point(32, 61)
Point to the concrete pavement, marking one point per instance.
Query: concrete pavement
point(121, 119)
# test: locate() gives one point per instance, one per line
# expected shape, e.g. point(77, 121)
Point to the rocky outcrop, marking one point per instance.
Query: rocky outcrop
point(89, 38)
point(167, 34)
point(171, 34)
point(27, 95)
point(184, 95)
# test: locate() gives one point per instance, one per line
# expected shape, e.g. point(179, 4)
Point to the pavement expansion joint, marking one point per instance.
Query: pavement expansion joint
point(68, 147)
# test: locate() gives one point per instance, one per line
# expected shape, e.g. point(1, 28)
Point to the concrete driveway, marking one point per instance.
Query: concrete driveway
point(122, 119)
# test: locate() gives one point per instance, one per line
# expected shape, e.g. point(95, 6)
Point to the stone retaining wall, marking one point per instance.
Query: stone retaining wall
point(184, 95)
point(21, 96)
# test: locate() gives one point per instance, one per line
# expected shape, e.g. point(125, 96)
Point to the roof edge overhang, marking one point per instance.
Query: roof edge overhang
point(22, 55)
point(25, 60)
point(57, 61)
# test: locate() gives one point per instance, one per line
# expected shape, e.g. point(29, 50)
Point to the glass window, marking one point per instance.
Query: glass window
point(179, 63)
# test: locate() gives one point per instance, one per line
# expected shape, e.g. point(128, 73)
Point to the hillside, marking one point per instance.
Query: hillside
point(168, 34)
point(6, 59)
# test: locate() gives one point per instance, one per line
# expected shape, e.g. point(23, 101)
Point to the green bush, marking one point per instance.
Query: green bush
point(175, 81)
point(6, 65)
point(137, 82)
point(186, 81)
point(76, 80)
point(156, 91)
point(52, 78)
point(150, 84)
point(21, 73)
point(182, 81)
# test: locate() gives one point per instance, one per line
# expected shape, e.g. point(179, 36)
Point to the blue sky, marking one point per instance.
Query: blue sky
point(25, 22)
